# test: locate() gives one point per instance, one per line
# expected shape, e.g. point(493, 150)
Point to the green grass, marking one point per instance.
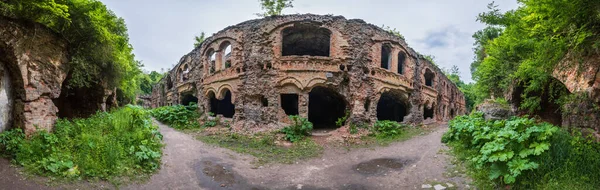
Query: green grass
point(106, 146)
point(263, 147)
point(373, 140)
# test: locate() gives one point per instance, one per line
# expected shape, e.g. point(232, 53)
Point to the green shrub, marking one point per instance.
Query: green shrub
point(388, 129)
point(523, 153)
point(10, 142)
point(340, 121)
point(120, 143)
point(300, 128)
point(178, 116)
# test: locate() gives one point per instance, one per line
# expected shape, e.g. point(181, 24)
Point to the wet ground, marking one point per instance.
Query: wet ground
point(191, 164)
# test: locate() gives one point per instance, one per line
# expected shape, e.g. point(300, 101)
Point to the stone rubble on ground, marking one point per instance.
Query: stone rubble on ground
point(439, 187)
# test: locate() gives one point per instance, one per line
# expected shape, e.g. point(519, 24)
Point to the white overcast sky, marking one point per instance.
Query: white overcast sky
point(162, 31)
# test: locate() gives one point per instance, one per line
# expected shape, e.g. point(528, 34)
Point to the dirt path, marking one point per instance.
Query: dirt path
point(191, 164)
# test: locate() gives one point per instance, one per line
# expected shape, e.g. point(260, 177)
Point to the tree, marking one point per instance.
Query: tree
point(274, 7)
point(199, 40)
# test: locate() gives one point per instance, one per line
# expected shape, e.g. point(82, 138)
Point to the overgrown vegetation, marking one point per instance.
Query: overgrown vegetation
point(99, 49)
point(299, 129)
point(523, 154)
point(263, 147)
point(525, 45)
point(388, 129)
point(178, 116)
point(122, 143)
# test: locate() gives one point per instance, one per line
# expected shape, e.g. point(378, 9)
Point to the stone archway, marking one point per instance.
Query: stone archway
point(325, 106)
point(392, 106)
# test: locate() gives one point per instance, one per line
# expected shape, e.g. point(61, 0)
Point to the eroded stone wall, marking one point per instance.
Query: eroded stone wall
point(255, 64)
point(34, 66)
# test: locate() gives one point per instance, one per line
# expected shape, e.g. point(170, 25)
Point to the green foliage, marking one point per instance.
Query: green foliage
point(523, 153)
point(525, 45)
point(299, 129)
point(198, 40)
point(342, 120)
point(98, 40)
point(264, 148)
point(120, 143)
point(274, 7)
point(178, 116)
point(388, 129)
point(10, 142)
point(148, 80)
point(506, 148)
point(393, 31)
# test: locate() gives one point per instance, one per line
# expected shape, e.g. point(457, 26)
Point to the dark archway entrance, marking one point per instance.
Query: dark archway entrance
point(428, 112)
point(188, 98)
point(392, 106)
point(325, 106)
point(222, 107)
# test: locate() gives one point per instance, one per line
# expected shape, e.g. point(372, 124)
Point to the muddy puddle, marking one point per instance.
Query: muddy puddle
point(380, 166)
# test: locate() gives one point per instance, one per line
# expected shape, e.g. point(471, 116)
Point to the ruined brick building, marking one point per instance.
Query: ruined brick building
point(321, 67)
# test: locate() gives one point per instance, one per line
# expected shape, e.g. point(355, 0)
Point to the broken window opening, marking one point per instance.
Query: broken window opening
point(264, 101)
point(289, 104)
point(392, 107)
point(386, 59)
point(325, 106)
point(226, 57)
point(306, 39)
point(428, 112)
point(401, 60)
point(429, 77)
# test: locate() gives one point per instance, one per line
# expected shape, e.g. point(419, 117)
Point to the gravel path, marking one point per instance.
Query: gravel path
point(191, 164)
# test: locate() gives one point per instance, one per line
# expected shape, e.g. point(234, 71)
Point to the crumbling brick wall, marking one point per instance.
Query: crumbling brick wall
point(35, 59)
point(270, 59)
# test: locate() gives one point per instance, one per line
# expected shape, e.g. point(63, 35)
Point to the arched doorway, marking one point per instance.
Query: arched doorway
point(428, 112)
point(188, 98)
point(392, 106)
point(222, 107)
point(305, 39)
point(325, 106)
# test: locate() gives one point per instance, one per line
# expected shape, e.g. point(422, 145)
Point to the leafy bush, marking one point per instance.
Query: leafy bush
point(387, 129)
point(506, 148)
point(298, 130)
point(178, 116)
point(523, 153)
point(106, 145)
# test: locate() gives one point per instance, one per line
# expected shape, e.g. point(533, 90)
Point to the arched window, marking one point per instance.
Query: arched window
point(386, 59)
point(305, 39)
point(226, 56)
point(212, 58)
point(429, 77)
point(401, 60)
